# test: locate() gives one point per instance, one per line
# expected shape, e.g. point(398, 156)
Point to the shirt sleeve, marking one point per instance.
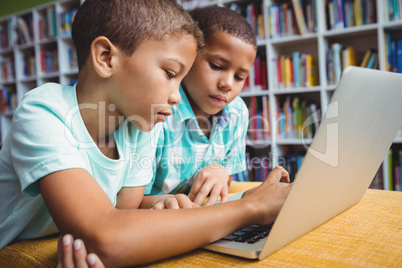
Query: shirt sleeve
point(41, 143)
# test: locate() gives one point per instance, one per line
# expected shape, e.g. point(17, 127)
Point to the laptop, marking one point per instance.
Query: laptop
point(360, 124)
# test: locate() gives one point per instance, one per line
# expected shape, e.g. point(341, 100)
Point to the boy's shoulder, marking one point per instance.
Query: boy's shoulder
point(49, 98)
point(48, 91)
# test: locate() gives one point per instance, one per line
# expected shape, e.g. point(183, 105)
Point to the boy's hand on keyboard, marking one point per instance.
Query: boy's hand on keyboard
point(269, 197)
point(175, 202)
point(212, 180)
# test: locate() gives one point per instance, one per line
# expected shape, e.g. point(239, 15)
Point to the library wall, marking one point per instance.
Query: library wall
point(8, 7)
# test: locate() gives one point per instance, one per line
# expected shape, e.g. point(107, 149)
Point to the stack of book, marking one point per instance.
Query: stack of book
point(392, 10)
point(292, 17)
point(296, 70)
point(259, 123)
point(346, 13)
point(393, 48)
point(297, 119)
point(339, 57)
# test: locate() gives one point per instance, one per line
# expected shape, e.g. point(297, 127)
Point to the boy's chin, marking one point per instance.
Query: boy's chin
point(146, 127)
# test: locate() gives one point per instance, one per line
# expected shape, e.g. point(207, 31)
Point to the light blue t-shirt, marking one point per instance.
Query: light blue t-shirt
point(49, 135)
point(183, 149)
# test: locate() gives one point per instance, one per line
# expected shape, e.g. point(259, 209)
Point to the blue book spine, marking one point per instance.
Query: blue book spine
point(399, 55)
point(296, 68)
point(282, 123)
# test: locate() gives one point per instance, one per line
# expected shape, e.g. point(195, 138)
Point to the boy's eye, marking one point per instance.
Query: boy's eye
point(170, 74)
point(214, 66)
point(239, 78)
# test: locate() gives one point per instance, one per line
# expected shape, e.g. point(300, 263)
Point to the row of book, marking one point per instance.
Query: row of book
point(7, 69)
point(391, 179)
point(341, 14)
point(393, 48)
point(8, 100)
point(48, 60)
point(16, 31)
point(296, 70)
point(339, 57)
point(259, 123)
point(258, 167)
point(47, 24)
point(28, 64)
point(290, 18)
point(260, 75)
point(66, 21)
point(253, 12)
point(297, 118)
point(392, 10)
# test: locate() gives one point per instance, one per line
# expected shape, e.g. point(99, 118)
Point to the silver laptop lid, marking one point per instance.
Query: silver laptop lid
point(361, 121)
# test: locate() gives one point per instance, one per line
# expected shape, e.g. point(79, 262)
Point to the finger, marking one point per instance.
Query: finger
point(214, 195)
point(172, 203)
point(195, 188)
point(80, 254)
point(94, 261)
point(67, 260)
point(278, 173)
point(184, 201)
point(159, 206)
point(203, 193)
point(224, 195)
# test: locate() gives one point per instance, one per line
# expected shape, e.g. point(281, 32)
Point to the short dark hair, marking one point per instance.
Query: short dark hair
point(214, 18)
point(127, 23)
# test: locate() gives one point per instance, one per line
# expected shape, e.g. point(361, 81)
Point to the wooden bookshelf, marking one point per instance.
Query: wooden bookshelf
point(288, 42)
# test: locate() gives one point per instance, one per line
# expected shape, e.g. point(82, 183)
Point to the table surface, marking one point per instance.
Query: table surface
point(369, 234)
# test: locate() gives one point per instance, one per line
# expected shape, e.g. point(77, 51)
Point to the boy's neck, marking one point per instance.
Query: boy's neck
point(98, 115)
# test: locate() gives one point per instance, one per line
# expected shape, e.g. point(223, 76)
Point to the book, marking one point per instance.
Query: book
point(399, 55)
point(372, 60)
point(301, 22)
point(366, 58)
point(349, 57)
point(296, 68)
point(336, 49)
point(358, 12)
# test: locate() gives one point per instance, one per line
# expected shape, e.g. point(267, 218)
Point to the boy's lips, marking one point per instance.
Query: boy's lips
point(162, 115)
point(218, 99)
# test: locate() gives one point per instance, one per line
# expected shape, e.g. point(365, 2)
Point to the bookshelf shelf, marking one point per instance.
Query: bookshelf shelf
point(293, 39)
point(51, 31)
point(297, 90)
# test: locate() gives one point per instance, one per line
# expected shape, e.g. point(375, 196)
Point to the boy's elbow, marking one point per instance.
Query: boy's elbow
point(112, 251)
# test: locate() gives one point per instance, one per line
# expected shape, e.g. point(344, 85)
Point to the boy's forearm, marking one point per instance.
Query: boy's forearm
point(161, 235)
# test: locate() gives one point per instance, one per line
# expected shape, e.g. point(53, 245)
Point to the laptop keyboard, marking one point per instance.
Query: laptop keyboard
point(250, 234)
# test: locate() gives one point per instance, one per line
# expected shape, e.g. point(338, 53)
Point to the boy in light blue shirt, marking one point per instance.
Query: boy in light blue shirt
point(203, 142)
point(77, 158)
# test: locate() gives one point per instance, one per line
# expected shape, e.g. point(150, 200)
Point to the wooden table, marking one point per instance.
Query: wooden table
point(368, 234)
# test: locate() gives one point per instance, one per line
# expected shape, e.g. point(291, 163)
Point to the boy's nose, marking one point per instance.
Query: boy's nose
point(175, 97)
point(226, 82)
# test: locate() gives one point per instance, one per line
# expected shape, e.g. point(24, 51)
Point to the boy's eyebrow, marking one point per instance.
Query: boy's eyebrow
point(176, 61)
point(226, 61)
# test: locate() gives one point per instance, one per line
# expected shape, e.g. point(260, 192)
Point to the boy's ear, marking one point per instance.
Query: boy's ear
point(103, 54)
